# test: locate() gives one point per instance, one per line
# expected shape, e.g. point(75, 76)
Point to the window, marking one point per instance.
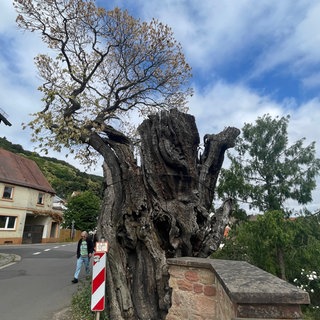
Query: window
point(7, 192)
point(40, 198)
point(7, 222)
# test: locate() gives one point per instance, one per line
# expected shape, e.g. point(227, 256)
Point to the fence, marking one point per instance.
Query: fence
point(66, 235)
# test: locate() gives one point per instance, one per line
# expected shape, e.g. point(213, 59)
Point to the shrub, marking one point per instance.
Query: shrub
point(309, 281)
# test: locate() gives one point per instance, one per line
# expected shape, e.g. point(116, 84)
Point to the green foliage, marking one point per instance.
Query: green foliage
point(238, 214)
point(84, 210)
point(15, 148)
point(81, 305)
point(266, 171)
point(310, 313)
point(63, 177)
point(305, 249)
point(259, 242)
point(309, 281)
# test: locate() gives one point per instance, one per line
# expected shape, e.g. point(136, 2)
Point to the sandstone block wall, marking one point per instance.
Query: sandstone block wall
point(206, 289)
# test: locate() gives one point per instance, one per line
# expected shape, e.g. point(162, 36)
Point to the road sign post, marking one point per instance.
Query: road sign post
point(99, 278)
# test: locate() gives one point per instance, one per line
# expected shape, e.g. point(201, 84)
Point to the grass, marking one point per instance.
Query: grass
point(81, 304)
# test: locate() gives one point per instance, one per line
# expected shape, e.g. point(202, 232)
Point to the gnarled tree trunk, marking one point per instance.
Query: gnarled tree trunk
point(158, 209)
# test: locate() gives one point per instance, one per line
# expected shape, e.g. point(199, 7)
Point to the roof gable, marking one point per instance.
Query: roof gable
point(18, 170)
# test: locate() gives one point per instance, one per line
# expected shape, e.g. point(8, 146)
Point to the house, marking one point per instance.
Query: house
point(59, 204)
point(26, 202)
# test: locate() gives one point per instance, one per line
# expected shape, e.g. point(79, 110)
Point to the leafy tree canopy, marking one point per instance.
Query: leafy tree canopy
point(280, 245)
point(104, 65)
point(266, 171)
point(258, 241)
point(83, 209)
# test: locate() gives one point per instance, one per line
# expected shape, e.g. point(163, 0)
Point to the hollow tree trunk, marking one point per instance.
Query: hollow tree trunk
point(158, 209)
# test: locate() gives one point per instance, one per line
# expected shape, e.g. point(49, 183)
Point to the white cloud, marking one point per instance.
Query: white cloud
point(304, 122)
point(214, 32)
point(222, 105)
point(254, 37)
point(299, 46)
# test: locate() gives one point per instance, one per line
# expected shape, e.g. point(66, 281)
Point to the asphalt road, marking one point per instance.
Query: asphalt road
point(39, 285)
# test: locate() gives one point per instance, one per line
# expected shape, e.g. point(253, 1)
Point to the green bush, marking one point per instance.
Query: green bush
point(311, 313)
point(309, 281)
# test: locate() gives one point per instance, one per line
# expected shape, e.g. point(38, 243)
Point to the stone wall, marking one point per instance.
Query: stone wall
point(208, 289)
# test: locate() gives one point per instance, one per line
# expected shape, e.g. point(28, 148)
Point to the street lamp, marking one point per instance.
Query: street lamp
point(72, 229)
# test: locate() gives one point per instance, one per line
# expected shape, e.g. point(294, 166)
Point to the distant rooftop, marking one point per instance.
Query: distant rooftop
point(3, 117)
point(18, 170)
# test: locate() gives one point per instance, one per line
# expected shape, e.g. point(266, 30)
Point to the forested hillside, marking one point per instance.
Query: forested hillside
point(63, 177)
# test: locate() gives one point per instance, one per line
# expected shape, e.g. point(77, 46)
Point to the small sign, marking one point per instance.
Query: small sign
point(96, 259)
point(102, 246)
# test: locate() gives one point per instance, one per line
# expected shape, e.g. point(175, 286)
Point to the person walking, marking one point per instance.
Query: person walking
point(84, 253)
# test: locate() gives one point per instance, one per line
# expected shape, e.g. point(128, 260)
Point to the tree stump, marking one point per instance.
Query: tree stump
point(158, 208)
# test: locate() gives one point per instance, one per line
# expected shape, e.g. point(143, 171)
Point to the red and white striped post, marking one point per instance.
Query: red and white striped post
point(99, 281)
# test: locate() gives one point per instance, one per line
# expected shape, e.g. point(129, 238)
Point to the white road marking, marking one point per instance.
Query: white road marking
point(56, 247)
point(7, 265)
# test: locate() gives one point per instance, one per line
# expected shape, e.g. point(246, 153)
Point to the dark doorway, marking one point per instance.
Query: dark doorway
point(32, 234)
point(54, 227)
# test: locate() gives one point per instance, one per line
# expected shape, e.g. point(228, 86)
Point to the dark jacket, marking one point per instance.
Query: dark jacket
point(89, 246)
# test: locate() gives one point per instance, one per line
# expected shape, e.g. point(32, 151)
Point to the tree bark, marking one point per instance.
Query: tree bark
point(281, 262)
point(157, 209)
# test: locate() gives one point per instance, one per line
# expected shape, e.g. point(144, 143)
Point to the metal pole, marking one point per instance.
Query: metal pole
point(97, 315)
point(72, 229)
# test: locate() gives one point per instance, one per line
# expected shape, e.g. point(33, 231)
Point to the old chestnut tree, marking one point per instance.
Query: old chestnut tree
point(104, 68)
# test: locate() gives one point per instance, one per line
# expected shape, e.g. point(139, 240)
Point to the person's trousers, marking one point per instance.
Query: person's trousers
point(80, 261)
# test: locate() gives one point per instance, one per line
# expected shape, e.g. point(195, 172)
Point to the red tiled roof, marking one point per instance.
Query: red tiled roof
point(18, 170)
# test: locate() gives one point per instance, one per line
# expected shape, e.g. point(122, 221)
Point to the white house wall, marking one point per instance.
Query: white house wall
point(23, 205)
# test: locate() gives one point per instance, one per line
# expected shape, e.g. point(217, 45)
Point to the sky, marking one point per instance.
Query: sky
point(248, 58)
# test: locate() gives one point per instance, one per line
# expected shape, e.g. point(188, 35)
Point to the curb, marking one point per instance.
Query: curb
point(64, 314)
